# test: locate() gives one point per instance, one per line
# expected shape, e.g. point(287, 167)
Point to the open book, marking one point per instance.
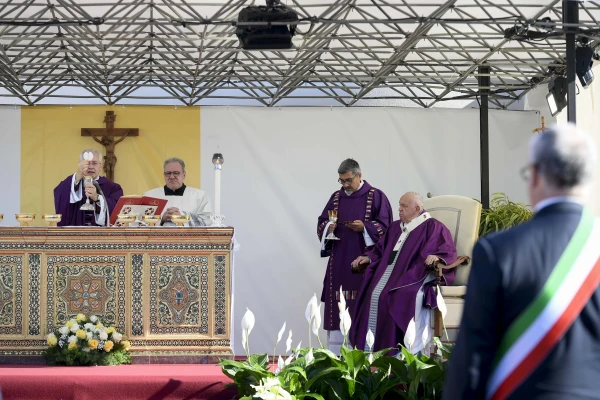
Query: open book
point(136, 204)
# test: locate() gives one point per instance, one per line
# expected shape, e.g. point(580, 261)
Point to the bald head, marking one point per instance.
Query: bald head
point(411, 206)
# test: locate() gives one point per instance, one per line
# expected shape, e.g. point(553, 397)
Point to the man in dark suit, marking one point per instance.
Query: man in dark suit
point(531, 323)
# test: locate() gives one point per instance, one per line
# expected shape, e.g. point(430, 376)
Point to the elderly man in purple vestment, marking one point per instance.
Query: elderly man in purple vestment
point(398, 289)
point(364, 214)
point(69, 195)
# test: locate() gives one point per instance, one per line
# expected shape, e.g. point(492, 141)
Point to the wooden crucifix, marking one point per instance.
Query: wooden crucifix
point(106, 137)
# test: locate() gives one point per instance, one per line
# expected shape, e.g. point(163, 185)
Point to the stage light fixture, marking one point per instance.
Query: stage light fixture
point(557, 94)
point(584, 56)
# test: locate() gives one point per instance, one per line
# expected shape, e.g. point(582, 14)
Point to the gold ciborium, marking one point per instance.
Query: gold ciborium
point(126, 218)
point(52, 219)
point(180, 219)
point(25, 218)
point(151, 219)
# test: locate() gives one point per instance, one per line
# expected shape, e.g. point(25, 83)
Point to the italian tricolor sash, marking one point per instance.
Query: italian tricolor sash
point(543, 323)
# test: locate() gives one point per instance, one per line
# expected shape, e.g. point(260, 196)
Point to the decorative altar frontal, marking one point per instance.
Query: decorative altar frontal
point(166, 288)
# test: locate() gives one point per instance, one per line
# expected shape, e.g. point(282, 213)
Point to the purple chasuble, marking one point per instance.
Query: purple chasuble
point(71, 214)
point(369, 205)
point(396, 305)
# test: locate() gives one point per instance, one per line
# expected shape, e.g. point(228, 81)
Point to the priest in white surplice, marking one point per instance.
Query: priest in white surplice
point(182, 199)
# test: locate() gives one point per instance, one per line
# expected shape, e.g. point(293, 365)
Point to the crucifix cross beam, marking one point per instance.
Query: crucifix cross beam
point(106, 137)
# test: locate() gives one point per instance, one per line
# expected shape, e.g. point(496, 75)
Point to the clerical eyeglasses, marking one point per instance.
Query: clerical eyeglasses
point(175, 173)
point(348, 181)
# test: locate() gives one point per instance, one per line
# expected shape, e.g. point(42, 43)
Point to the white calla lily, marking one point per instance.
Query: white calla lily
point(244, 336)
point(370, 339)
point(248, 321)
point(345, 322)
point(280, 334)
point(317, 321)
point(311, 308)
point(288, 360)
point(280, 363)
point(410, 335)
point(371, 358)
point(298, 348)
point(342, 302)
point(288, 342)
point(309, 357)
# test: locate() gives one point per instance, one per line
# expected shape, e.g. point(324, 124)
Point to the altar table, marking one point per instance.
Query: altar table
point(167, 289)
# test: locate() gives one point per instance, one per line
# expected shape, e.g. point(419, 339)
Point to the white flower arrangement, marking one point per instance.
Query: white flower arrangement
point(86, 336)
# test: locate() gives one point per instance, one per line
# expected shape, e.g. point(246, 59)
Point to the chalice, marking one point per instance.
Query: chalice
point(180, 219)
point(25, 218)
point(87, 180)
point(52, 219)
point(126, 219)
point(333, 219)
point(151, 219)
point(87, 206)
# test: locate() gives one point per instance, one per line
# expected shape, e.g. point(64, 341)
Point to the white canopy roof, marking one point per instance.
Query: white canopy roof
point(346, 52)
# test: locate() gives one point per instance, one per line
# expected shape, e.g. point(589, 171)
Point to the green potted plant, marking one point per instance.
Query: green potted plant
point(317, 373)
point(503, 214)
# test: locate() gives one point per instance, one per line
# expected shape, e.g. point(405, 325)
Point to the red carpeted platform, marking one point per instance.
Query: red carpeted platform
point(133, 382)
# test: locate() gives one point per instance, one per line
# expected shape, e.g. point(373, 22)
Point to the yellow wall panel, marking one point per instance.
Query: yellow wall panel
point(51, 142)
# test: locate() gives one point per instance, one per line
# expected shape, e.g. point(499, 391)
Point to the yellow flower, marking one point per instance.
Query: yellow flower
point(126, 344)
point(110, 330)
point(52, 340)
point(72, 345)
point(81, 317)
point(93, 344)
point(70, 323)
point(99, 325)
point(81, 334)
point(108, 346)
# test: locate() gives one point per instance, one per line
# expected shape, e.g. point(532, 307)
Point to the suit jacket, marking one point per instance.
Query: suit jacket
point(509, 270)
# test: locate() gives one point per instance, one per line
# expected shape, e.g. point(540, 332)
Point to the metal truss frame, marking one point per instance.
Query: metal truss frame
point(423, 53)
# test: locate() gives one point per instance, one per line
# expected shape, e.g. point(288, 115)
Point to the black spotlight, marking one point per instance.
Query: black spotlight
point(261, 33)
point(557, 96)
point(585, 58)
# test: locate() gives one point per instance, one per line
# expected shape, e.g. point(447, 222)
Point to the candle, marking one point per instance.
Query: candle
point(218, 191)
point(218, 160)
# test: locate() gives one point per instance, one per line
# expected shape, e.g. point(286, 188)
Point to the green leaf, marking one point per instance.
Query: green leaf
point(356, 360)
point(258, 361)
point(311, 395)
point(296, 369)
point(335, 372)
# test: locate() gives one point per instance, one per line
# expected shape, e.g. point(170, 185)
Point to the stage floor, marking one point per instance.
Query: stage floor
point(155, 381)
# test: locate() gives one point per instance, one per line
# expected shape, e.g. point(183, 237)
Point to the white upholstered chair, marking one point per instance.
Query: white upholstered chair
point(461, 215)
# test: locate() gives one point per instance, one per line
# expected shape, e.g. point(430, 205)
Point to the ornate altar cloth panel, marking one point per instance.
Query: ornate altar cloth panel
point(166, 289)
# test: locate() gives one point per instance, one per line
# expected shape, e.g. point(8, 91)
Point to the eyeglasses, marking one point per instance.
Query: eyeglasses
point(175, 174)
point(525, 172)
point(347, 181)
point(93, 163)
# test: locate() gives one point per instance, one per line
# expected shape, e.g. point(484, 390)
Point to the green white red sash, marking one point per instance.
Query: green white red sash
point(541, 325)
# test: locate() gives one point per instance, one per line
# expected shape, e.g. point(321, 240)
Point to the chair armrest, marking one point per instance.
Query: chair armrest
point(438, 267)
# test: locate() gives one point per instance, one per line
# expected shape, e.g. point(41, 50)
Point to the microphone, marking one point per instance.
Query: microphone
point(429, 195)
point(100, 192)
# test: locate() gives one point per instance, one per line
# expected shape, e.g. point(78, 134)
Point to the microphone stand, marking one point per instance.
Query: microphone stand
point(101, 193)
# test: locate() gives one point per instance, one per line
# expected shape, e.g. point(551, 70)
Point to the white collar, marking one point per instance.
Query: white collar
point(409, 227)
point(556, 199)
point(359, 186)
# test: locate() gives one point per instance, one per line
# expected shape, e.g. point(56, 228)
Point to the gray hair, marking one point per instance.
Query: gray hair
point(100, 157)
point(417, 198)
point(565, 156)
point(172, 160)
point(349, 165)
